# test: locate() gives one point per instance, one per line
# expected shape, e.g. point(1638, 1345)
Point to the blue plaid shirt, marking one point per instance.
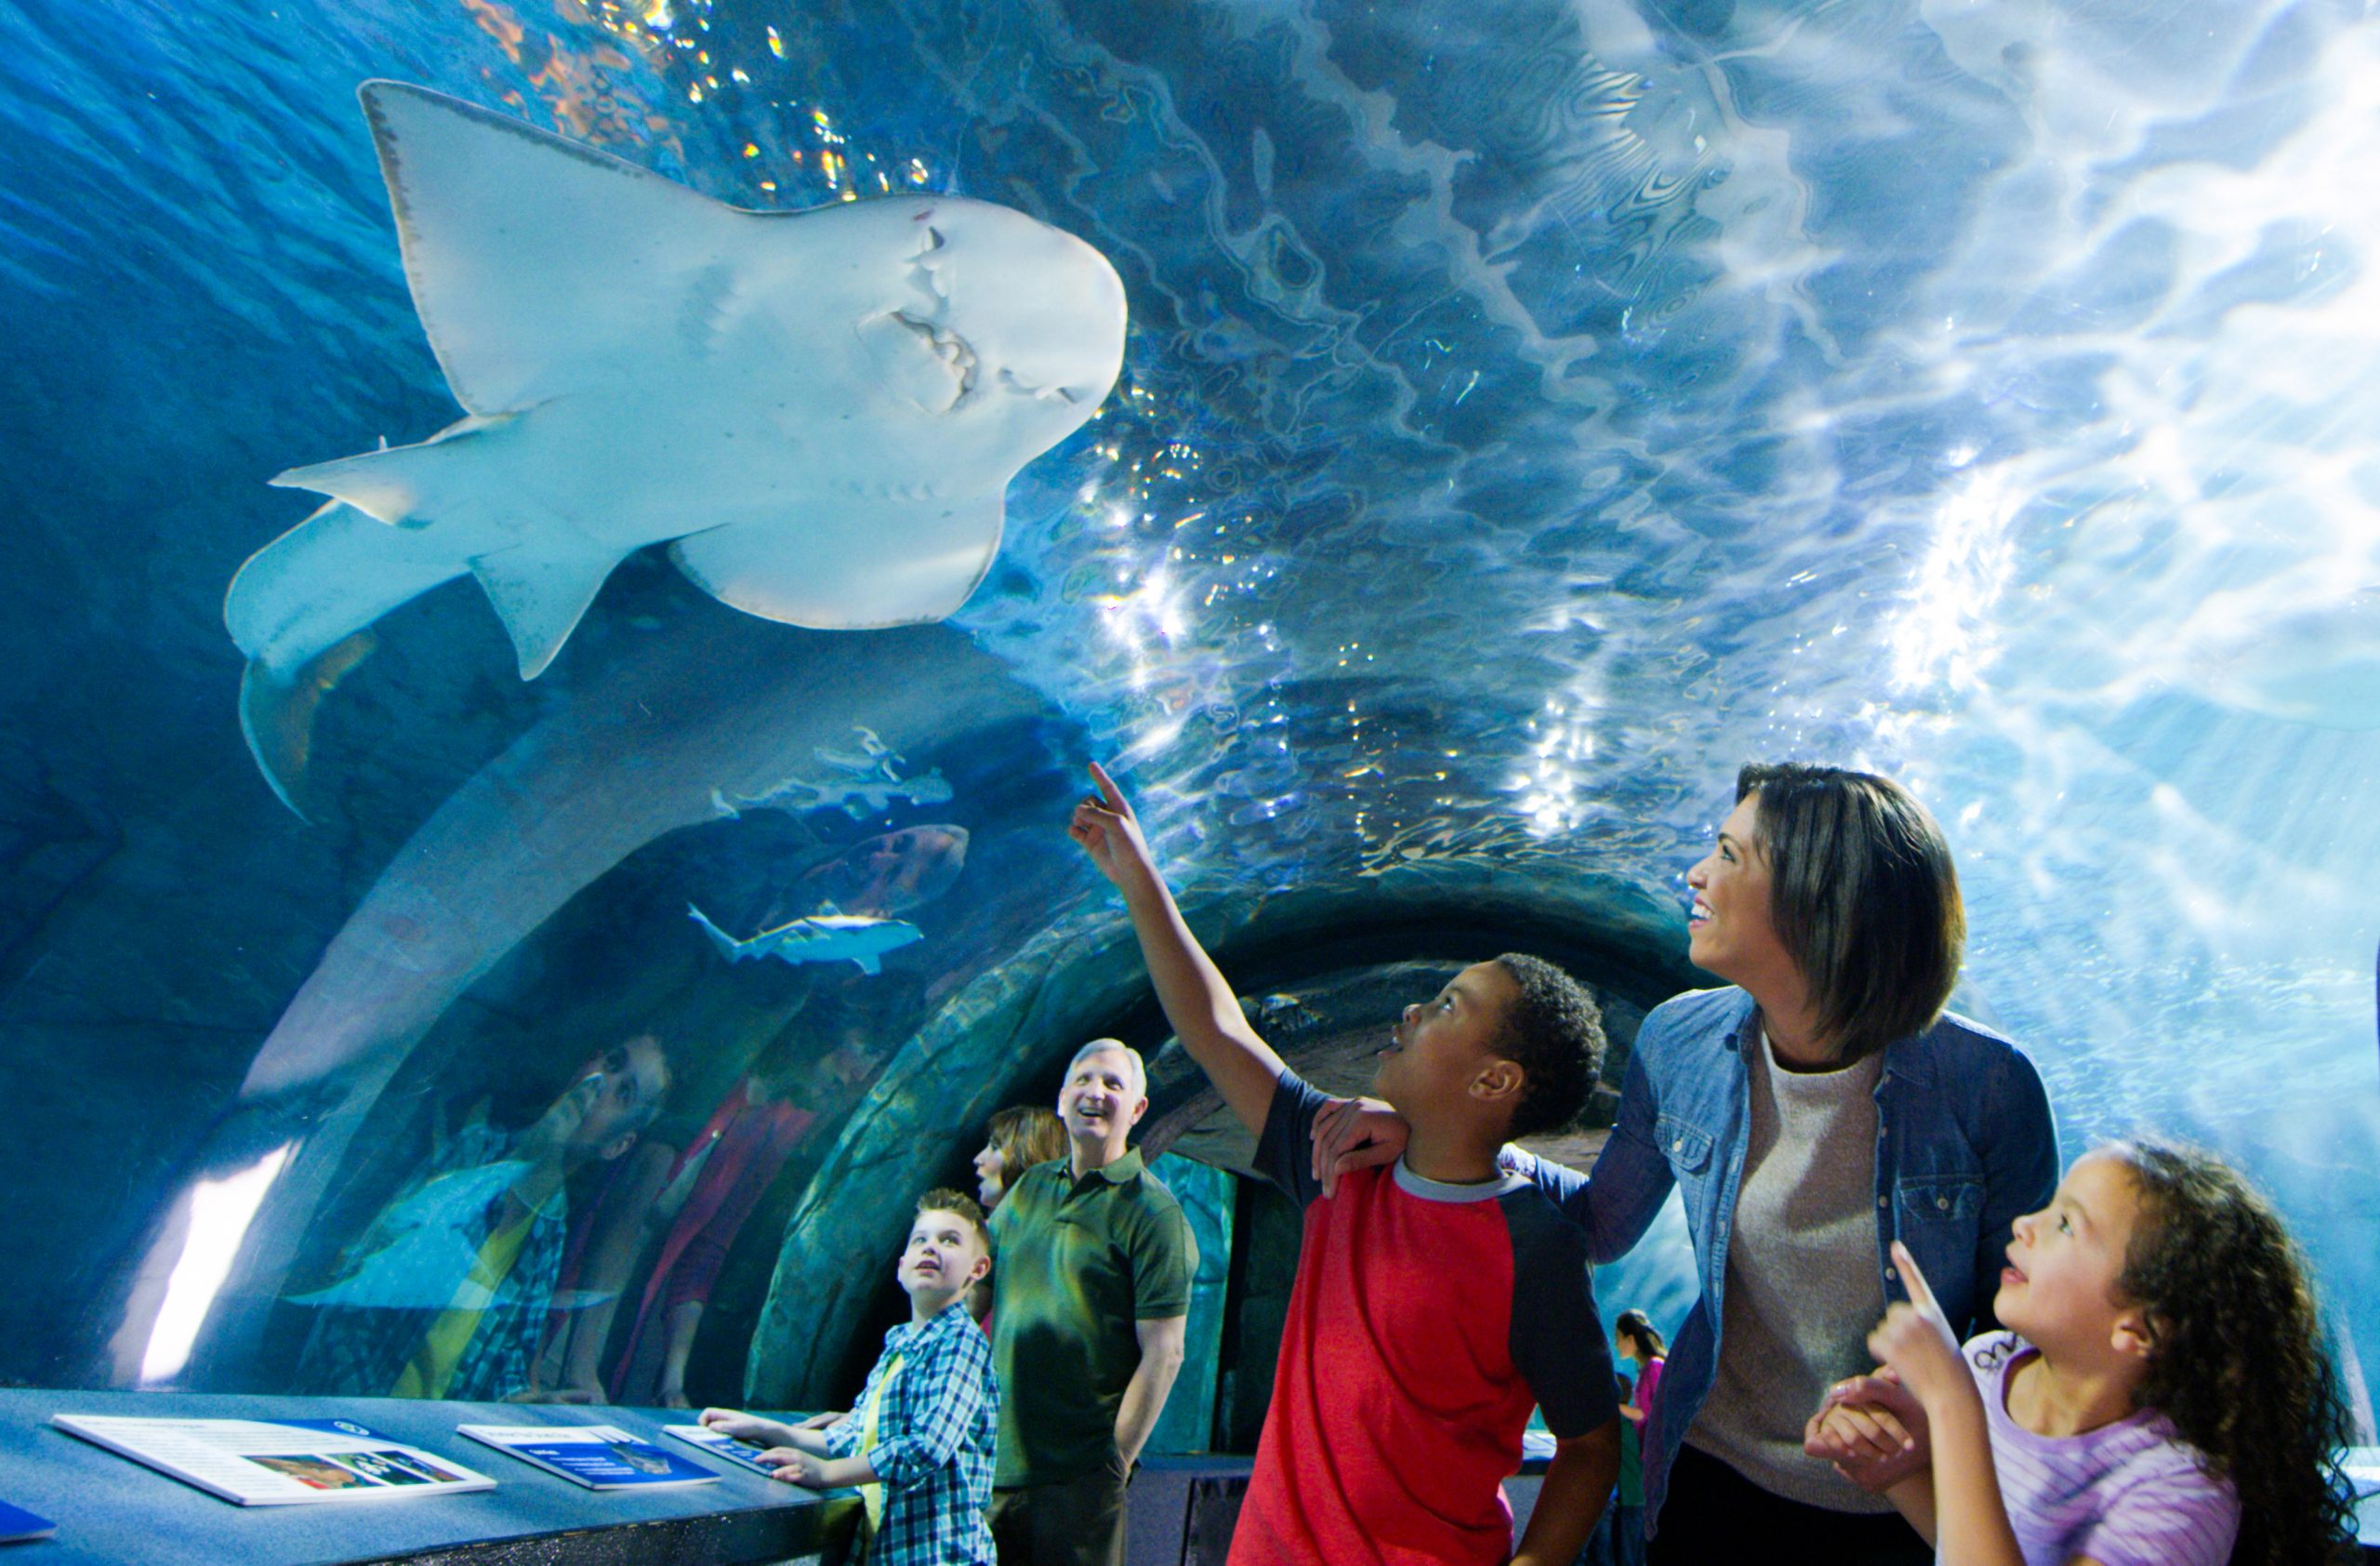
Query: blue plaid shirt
point(934, 1433)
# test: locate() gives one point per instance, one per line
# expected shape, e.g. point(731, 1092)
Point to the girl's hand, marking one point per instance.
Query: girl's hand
point(1872, 1431)
point(1108, 832)
point(820, 1421)
point(1916, 1341)
point(1352, 1134)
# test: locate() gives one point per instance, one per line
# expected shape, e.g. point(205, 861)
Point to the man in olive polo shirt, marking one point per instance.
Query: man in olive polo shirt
point(1092, 1288)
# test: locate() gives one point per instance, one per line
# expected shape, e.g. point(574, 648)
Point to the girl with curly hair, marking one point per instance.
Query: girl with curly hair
point(2160, 1397)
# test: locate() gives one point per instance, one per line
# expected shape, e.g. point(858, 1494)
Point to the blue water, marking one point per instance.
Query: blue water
point(1530, 412)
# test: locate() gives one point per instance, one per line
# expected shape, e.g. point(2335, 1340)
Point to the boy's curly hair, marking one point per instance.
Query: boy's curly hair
point(2237, 1360)
point(1555, 1033)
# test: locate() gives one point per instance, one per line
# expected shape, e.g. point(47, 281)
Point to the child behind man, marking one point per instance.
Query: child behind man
point(2160, 1394)
point(1434, 1303)
point(919, 1442)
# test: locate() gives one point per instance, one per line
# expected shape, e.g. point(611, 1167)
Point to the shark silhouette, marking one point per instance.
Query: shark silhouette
point(820, 409)
point(821, 937)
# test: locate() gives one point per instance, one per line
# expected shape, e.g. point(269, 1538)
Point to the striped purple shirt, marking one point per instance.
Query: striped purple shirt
point(2130, 1494)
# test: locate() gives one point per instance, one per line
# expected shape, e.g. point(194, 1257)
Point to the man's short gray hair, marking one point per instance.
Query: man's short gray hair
point(1103, 1046)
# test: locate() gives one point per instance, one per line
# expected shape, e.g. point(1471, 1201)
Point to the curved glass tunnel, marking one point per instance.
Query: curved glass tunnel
point(1528, 413)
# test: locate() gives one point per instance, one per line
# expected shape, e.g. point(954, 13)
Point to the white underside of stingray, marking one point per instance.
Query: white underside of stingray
point(821, 408)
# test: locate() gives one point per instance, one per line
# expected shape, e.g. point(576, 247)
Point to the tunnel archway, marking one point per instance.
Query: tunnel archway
point(1009, 1034)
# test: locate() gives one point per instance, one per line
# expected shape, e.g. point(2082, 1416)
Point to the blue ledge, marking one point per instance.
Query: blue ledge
point(111, 1511)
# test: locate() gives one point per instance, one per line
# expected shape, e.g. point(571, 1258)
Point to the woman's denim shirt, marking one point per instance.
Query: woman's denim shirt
point(1963, 1145)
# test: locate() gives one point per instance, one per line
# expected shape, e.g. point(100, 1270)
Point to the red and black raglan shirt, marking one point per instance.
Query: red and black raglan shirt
point(1427, 1319)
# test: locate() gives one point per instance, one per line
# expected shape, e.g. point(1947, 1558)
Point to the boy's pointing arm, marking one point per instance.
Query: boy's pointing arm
point(1205, 1015)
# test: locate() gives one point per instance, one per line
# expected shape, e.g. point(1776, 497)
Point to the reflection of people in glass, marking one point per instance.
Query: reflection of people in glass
point(446, 1295)
point(703, 1195)
point(676, 1219)
point(717, 1182)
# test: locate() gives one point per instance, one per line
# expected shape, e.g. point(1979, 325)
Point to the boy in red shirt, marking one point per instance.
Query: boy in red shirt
point(1436, 1301)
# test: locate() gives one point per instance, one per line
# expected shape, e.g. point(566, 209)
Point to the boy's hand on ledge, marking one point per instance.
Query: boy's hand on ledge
point(796, 1467)
point(814, 1471)
point(750, 1426)
point(1352, 1134)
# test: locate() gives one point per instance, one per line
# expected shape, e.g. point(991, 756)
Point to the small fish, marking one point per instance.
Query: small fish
point(858, 800)
point(821, 937)
point(873, 760)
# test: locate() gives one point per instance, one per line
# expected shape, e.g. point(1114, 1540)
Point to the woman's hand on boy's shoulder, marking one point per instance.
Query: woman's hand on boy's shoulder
point(1351, 1134)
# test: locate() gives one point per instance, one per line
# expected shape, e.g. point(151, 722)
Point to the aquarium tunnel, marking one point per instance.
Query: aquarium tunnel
point(1422, 451)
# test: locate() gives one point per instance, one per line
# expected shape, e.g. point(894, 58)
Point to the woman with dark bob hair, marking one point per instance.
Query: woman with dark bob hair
point(1820, 1106)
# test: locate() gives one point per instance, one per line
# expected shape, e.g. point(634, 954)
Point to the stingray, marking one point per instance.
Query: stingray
point(819, 410)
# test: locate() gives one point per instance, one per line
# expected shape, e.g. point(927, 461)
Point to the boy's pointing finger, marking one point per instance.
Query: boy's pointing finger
point(1109, 795)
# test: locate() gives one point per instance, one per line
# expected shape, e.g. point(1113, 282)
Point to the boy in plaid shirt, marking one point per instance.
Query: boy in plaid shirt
point(919, 1445)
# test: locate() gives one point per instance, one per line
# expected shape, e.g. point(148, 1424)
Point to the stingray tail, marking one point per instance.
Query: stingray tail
point(443, 498)
point(277, 716)
point(301, 608)
point(325, 580)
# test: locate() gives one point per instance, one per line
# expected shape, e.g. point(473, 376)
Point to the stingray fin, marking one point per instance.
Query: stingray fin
point(399, 484)
point(535, 261)
point(729, 946)
point(326, 578)
point(277, 716)
point(874, 561)
point(540, 595)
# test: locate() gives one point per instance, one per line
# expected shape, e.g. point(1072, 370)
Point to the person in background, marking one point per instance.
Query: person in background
point(1635, 1340)
point(1820, 1106)
point(918, 1443)
point(2160, 1395)
point(1018, 1138)
point(1093, 1303)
